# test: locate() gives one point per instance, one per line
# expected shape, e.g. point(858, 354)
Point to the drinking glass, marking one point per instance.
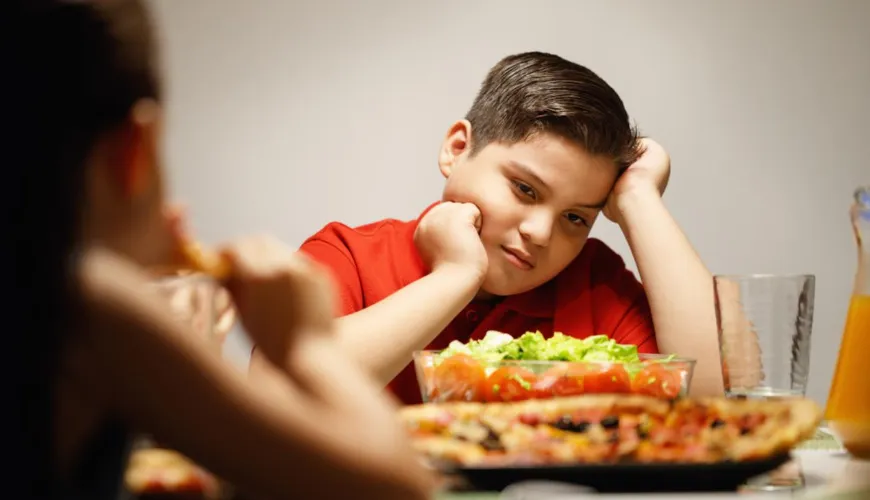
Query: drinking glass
point(765, 324)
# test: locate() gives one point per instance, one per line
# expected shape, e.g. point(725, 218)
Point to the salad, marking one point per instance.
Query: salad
point(500, 367)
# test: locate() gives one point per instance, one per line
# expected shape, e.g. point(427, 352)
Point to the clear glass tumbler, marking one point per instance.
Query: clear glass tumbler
point(765, 324)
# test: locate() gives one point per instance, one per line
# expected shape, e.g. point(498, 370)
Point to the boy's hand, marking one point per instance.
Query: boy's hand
point(449, 235)
point(648, 175)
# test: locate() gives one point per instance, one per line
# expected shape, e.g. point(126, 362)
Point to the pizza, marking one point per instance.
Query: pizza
point(156, 471)
point(608, 429)
point(189, 255)
point(201, 259)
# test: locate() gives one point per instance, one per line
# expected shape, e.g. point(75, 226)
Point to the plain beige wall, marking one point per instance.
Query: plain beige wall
point(286, 115)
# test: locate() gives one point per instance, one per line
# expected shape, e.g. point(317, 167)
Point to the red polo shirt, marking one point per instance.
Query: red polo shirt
point(595, 294)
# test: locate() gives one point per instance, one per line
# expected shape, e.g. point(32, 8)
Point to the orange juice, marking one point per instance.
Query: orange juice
point(848, 409)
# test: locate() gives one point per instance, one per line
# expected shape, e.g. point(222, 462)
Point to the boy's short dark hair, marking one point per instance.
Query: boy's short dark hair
point(534, 92)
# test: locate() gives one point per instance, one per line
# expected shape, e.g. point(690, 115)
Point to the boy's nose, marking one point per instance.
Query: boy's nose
point(537, 228)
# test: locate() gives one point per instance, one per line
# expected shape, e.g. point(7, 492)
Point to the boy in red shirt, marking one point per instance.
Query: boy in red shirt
point(545, 149)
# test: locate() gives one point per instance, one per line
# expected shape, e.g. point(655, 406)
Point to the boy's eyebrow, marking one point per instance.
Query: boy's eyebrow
point(529, 172)
point(595, 206)
point(522, 167)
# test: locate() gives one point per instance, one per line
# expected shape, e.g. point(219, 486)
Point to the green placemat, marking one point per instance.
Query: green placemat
point(823, 440)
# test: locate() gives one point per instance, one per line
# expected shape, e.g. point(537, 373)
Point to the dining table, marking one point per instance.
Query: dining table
point(824, 469)
point(820, 469)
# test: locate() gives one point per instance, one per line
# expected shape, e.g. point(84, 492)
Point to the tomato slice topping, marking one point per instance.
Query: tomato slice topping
point(459, 378)
point(560, 381)
point(510, 383)
point(657, 381)
point(604, 378)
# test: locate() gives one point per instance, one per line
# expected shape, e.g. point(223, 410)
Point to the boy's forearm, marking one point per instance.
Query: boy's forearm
point(383, 336)
point(678, 285)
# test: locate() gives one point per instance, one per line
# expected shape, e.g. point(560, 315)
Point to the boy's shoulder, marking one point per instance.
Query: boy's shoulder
point(386, 234)
point(368, 262)
point(374, 233)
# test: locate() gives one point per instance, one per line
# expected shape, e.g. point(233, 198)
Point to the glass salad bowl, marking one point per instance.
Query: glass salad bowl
point(502, 368)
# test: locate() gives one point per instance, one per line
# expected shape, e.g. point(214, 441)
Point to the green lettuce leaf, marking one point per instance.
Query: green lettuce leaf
point(532, 346)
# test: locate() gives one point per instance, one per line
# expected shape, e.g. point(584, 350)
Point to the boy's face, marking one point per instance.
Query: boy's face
point(538, 199)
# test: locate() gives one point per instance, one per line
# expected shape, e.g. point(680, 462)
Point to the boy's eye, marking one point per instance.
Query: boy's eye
point(576, 219)
point(525, 189)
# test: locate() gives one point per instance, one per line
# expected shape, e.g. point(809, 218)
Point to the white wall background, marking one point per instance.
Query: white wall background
point(285, 115)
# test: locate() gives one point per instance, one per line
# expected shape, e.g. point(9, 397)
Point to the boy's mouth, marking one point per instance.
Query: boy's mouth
point(519, 258)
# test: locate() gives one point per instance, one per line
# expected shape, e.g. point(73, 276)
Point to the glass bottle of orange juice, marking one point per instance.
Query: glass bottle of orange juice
point(848, 409)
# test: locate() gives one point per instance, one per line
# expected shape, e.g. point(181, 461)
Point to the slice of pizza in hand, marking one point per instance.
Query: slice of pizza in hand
point(191, 255)
point(201, 259)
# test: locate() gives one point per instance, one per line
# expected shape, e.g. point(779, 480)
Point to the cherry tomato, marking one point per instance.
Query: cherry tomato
point(510, 383)
point(560, 381)
point(606, 379)
point(658, 381)
point(459, 378)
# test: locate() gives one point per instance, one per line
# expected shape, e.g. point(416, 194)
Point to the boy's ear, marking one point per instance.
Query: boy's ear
point(137, 165)
point(455, 145)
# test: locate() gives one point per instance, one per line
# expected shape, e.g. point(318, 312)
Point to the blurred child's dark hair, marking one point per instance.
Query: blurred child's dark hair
point(535, 92)
point(72, 71)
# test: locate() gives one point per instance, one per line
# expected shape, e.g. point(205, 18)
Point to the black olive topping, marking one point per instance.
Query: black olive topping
point(744, 431)
point(563, 423)
point(642, 434)
point(610, 422)
point(566, 424)
point(492, 442)
point(717, 423)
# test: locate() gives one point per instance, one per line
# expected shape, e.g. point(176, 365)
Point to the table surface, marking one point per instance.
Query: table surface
point(829, 473)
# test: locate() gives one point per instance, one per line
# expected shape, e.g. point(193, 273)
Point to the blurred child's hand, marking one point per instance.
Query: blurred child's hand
point(648, 175)
point(279, 294)
point(202, 303)
point(449, 235)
